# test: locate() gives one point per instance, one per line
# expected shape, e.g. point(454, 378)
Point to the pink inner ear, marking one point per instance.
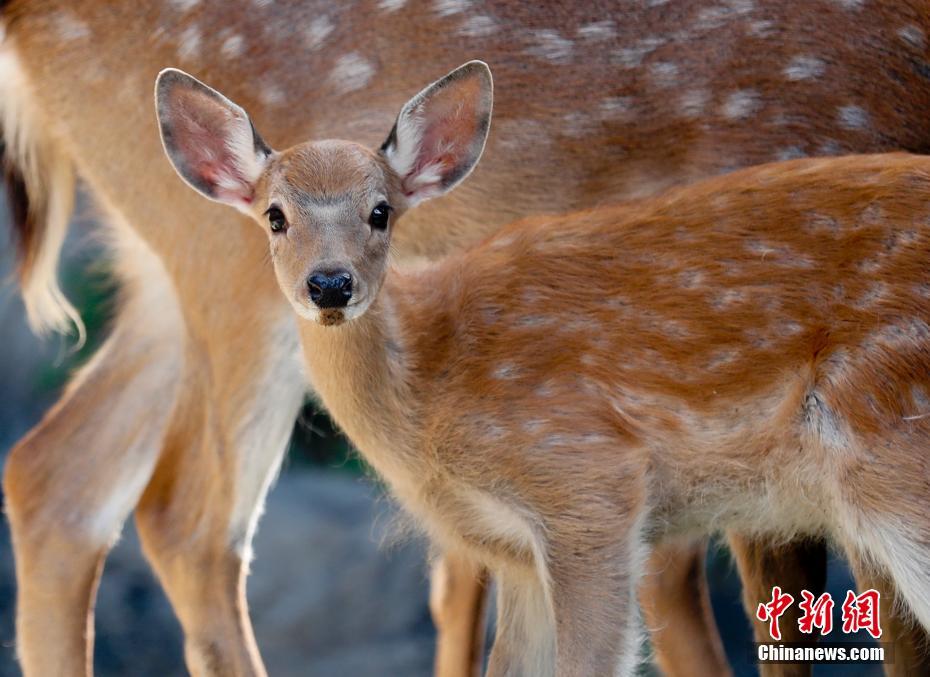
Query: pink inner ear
point(448, 132)
point(202, 134)
point(226, 186)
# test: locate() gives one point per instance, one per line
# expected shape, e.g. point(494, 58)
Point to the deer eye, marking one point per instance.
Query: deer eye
point(276, 220)
point(379, 216)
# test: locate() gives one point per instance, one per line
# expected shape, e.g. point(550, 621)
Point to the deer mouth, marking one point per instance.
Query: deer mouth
point(331, 317)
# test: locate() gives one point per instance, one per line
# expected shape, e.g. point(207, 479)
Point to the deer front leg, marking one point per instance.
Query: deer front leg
point(458, 591)
point(675, 601)
point(72, 481)
point(524, 643)
point(593, 593)
point(197, 516)
point(794, 567)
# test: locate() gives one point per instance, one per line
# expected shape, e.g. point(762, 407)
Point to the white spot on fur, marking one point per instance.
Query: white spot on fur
point(184, 5)
point(729, 297)
point(506, 371)
point(710, 18)
point(351, 73)
point(549, 45)
point(318, 30)
point(503, 242)
point(233, 46)
point(721, 359)
point(761, 29)
point(741, 7)
point(789, 329)
point(875, 293)
point(272, 95)
point(616, 107)
point(391, 5)
point(449, 7)
point(478, 27)
point(853, 117)
point(189, 43)
point(599, 30)
point(691, 279)
point(69, 27)
point(913, 36)
point(664, 73)
point(804, 67)
point(534, 426)
point(831, 147)
point(850, 4)
point(534, 321)
point(790, 153)
point(693, 102)
point(630, 57)
point(741, 104)
point(576, 124)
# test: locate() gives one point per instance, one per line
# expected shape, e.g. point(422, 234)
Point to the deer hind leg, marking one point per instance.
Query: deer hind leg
point(197, 516)
point(457, 601)
point(72, 481)
point(911, 646)
point(795, 566)
point(901, 548)
point(675, 602)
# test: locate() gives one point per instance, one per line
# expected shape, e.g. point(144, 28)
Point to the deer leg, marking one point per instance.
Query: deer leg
point(911, 650)
point(458, 591)
point(198, 514)
point(794, 567)
point(675, 602)
point(72, 481)
point(593, 591)
point(524, 643)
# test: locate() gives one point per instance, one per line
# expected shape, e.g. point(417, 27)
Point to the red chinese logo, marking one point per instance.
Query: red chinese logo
point(817, 614)
point(772, 611)
point(860, 612)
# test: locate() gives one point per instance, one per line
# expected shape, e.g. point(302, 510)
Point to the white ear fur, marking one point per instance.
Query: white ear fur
point(440, 133)
point(209, 139)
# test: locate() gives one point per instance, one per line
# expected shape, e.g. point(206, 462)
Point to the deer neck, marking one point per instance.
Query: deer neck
point(361, 371)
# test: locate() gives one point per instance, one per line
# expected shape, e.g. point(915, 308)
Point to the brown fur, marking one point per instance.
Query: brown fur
point(89, 90)
point(810, 276)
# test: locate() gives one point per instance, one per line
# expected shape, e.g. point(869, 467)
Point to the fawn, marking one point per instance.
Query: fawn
point(747, 353)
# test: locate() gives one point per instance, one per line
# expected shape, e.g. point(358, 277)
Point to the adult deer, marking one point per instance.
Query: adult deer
point(751, 352)
point(625, 100)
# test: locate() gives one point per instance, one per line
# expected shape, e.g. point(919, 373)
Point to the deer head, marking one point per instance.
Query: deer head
point(328, 206)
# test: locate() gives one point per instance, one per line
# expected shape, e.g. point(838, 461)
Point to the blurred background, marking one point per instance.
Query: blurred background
point(334, 590)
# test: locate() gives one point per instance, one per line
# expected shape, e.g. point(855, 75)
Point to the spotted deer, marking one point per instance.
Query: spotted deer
point(751, 352)
point(625, 99)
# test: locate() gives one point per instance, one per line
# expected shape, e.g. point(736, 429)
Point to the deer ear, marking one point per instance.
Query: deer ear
point(210, 140)
point(440, 134)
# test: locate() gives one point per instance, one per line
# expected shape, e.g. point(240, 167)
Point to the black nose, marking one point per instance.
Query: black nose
point(330, 288)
